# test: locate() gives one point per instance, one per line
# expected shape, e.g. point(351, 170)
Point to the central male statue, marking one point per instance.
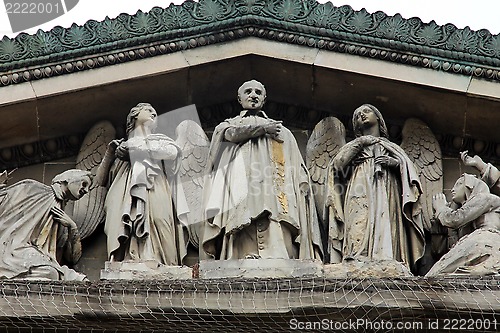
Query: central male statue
point(258, 198)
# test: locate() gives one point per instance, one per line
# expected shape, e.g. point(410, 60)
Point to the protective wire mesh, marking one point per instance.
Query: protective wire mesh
point(253, 305)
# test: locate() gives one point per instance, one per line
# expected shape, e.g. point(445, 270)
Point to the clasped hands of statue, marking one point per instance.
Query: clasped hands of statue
point(242, 133)
point(123, 148)
point(382, 160)
point(439, 202)
point(273, 129)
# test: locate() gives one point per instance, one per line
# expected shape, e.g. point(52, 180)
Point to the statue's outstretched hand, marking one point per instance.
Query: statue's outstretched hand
point(468, 160)
point(475, 162)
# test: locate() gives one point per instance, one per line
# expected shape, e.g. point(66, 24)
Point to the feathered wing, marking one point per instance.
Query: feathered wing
point(323, 144)
point(423, 149)
point(194, 144)
point(88, 212)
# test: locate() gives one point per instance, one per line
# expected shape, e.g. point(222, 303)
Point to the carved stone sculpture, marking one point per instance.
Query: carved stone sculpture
point(89, 212)
point(258, 197)
point(489, 173)
point(369, 190)
point(194, 144)
point(477, 253)
point(145, 205)
point(4, 177)
point(35, 232)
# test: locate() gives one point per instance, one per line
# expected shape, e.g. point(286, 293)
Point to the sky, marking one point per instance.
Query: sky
point(477, 14)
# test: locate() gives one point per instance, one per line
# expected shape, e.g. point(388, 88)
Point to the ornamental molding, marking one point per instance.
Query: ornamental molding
point(302, 22)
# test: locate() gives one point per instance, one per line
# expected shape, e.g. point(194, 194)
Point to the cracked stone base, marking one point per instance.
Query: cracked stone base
point(260, 268)
point(145, 270)
point(356, 268)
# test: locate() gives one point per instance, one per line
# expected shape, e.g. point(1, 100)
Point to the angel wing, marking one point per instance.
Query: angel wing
point(88, 212)
point(194, 143)
point(323, 144)
point(4, 177)
point(423, 149)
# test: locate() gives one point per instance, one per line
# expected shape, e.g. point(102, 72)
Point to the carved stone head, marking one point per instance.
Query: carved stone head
point(74, 183)
point(252, 95)
point(466, 186)
point(358, 125)
point(142, 114)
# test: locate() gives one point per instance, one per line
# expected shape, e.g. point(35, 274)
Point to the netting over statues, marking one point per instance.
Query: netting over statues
point(264, 305)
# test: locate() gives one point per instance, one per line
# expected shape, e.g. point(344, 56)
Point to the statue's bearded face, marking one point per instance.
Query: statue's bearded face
point(252, 96)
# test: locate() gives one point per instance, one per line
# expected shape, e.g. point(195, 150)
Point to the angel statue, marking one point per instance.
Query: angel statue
point(258, 199)
point(36, 235)
point(476, 253)
point(140, 194)
point(371, 192)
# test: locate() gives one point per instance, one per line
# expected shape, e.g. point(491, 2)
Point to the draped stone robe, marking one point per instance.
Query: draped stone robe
point(29, 236)
point(477, 253)
point(381, 215)
point(258, 198)
point(145, 204)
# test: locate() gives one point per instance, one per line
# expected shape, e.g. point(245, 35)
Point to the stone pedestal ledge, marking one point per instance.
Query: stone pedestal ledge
point(145, 270)
point(260, 268)
point(356, 268)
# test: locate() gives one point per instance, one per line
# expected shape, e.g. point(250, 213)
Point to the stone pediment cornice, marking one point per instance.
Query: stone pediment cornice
point(195, 24)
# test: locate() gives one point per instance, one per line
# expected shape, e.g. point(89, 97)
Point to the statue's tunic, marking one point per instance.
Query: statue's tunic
point(258, 197)
point(381, 215)
point(29, 234)
point(144, 208)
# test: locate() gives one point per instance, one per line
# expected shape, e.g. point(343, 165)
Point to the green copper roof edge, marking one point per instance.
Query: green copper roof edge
point(300, 22)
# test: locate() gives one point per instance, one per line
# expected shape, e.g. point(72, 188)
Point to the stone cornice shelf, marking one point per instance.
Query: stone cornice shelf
point(259, 305)
point(178, 27)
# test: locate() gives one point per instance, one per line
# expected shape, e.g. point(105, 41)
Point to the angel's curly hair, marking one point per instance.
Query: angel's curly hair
point(132, 115)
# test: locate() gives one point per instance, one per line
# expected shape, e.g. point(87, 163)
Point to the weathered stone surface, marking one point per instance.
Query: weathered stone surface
point(369, 190)
point(145, 202)
point(356, 268)
point(243, 305)
point(259, 199)
point(146, 270)
point(260, 268)
point(36, 233)
point(474, 206)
